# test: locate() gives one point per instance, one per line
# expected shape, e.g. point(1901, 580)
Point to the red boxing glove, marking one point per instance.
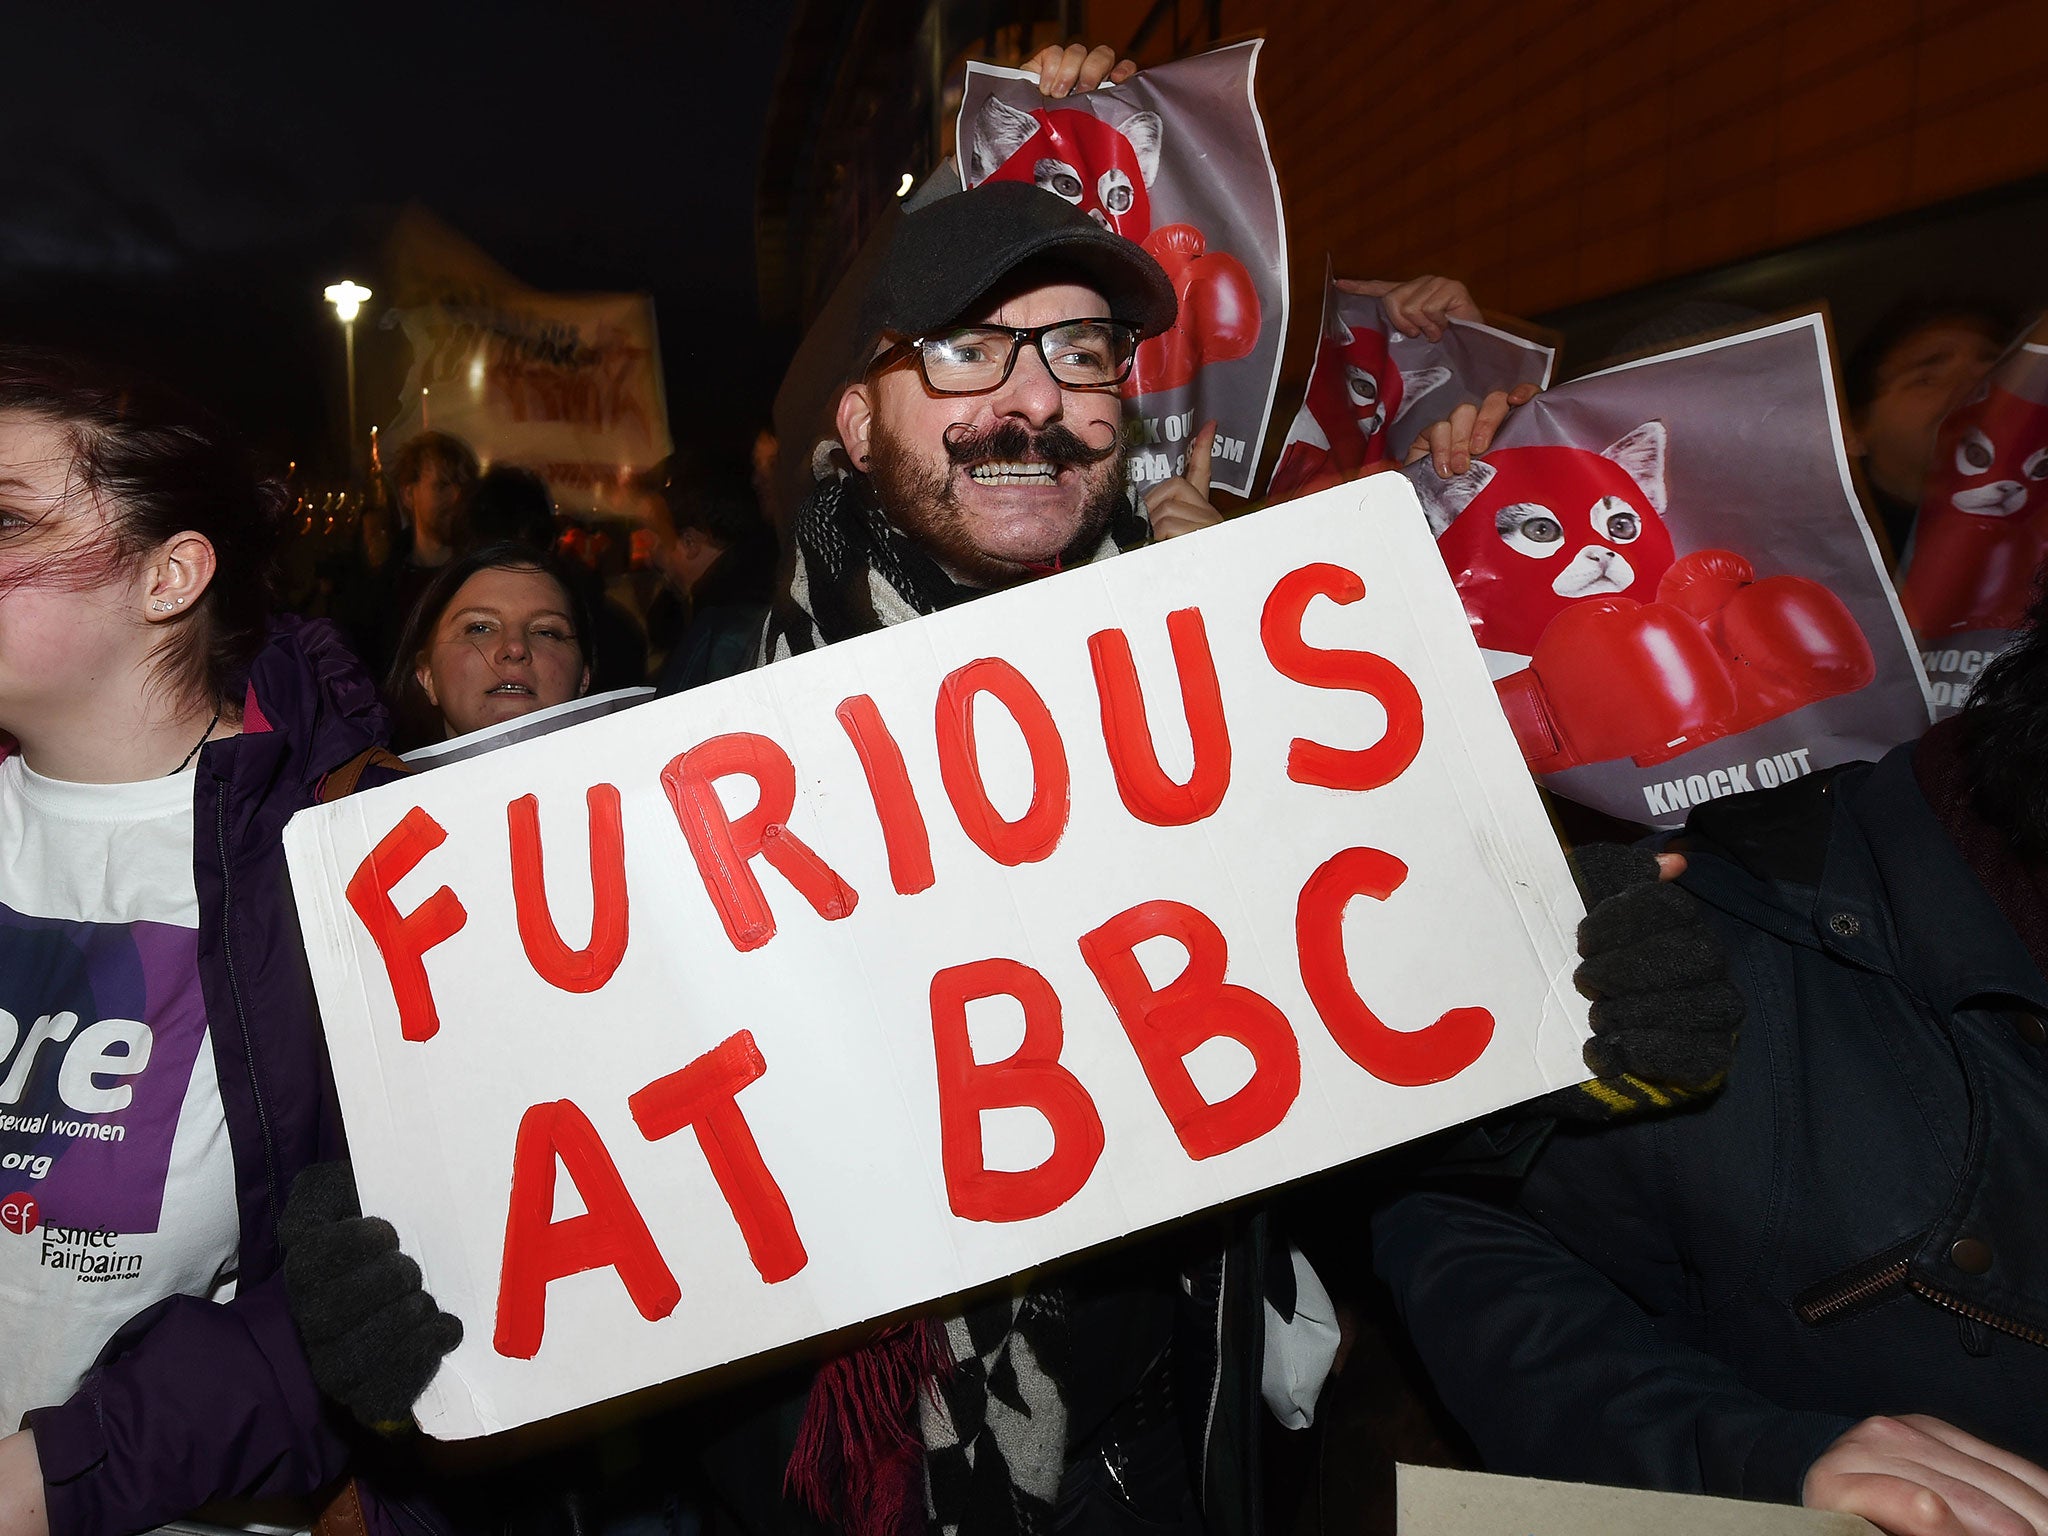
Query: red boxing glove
point(1792, 644)
point(1701, 583)
point(1612, 678)
point(1219, 311)
point(1175, 243)
point(1971, 571)
point(1788, 642)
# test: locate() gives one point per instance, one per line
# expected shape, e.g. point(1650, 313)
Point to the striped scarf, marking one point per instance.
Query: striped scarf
point(850, 571)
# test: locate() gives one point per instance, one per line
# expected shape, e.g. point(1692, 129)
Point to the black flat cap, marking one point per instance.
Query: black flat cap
point(947, 255)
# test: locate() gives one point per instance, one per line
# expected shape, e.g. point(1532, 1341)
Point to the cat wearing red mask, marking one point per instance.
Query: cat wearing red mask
point(1533, 530)
point(1107, 170)
point(1983, 527)
point(1602, 642)
point(1354, 396)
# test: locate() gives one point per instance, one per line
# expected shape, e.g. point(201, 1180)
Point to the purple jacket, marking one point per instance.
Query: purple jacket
point(193, 1401)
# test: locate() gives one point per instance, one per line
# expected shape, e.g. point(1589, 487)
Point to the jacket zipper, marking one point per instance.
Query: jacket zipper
point(1853, 1293)
point(227, 950)
point(1891, 1274)
point(1215, 1381)
point(1979, 1315)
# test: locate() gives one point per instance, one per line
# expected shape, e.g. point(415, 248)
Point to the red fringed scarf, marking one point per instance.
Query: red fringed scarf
point(859, 1458)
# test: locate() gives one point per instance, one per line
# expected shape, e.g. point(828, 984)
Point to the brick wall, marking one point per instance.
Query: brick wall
point(1552, 152)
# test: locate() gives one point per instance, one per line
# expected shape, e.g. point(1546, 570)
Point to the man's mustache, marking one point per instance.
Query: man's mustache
point(1011, 442)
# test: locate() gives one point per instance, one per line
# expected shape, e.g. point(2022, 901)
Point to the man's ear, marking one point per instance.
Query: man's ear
point(177, 576)
point(856, 422)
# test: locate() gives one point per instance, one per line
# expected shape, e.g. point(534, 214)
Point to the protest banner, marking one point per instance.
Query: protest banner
point(567, 386)
point(1982, 533)
point(956, 947)
point(1669, 574)
point(1371, 389)
point(1175, 159)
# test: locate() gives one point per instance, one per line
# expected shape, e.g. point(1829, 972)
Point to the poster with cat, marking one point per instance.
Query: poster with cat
point(1982, 533)
point(1372, 389)
point(1666, 568)
point(1176, 159)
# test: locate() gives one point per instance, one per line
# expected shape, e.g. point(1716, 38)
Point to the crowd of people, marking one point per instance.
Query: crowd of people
point(1780, 1246)
point(674, 602)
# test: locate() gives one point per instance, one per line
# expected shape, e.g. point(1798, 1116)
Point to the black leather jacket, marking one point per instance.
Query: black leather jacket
point(1856, 1226)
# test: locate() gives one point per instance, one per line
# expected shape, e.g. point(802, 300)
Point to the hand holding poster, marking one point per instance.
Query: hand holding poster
point(912, 963)
point(1667, 569)
point(1982, 533)
point(1176, 160)
point(1372, 389)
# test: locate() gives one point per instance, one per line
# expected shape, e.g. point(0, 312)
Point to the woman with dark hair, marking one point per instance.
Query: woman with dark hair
point(499, 633)
point(162, 1076)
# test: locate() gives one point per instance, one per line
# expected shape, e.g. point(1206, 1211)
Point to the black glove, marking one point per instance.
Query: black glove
point(373, 1335)
point(1665, 1013)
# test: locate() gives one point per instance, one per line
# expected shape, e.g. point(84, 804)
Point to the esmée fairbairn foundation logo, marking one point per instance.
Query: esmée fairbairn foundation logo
point(19, 1213)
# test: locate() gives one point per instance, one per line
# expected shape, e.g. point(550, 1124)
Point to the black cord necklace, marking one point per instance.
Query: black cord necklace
point(196, 746)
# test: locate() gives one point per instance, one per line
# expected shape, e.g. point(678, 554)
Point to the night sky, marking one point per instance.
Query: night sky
point(178, 183)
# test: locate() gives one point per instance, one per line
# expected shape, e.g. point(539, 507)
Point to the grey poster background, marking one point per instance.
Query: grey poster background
point(1215, 173)
point(1755, 465)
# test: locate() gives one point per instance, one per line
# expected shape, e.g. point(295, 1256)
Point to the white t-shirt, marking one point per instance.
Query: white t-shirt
point(117, 1182)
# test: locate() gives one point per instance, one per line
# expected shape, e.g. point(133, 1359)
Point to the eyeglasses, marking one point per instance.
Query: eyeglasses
point(1079, 354)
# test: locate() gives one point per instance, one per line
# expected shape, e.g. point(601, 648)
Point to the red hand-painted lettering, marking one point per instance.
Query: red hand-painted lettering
point(538, 1249)
point(1310, 762)
point(403, 939)
point(573, 970)
point(722, 846)
point(1165, 1025)
point(1407, 1058)
point(904, 836)
point(1037, 832)
point(1147, 792)
point(705, 1096)
point(1031, 1078)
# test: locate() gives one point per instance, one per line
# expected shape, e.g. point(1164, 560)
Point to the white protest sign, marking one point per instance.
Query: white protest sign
point(912, 963)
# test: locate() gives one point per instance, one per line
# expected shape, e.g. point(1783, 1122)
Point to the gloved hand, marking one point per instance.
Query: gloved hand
point(1665, 1012)
point(373, 1335)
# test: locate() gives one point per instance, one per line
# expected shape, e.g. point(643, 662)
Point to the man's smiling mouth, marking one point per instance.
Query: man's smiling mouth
point(1014, 473)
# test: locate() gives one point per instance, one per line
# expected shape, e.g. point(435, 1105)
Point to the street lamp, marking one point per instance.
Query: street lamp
point(347, 298)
